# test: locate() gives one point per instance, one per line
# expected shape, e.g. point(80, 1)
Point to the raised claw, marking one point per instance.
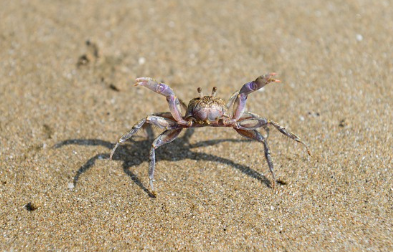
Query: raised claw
point(174, 103)
point(153, 85)
point(248, 88)
point(259, 83)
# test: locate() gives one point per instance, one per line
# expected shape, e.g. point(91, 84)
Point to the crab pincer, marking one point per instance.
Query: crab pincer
point(163, 89)
point(248, 88)
point(259, 83)
point(153, 85)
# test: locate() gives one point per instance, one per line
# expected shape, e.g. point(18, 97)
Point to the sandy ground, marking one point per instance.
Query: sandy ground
point(66, 95)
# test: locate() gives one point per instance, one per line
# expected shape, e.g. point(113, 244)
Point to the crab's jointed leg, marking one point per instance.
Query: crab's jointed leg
point(231, 101)
point(255, 135)
point(253, 122)
point(248, 88)
point(163, 89)
point(162, 122)
point(166, 137)
point(288, 134)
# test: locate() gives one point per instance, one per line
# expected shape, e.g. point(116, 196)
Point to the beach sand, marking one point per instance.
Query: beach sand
point(66, 95)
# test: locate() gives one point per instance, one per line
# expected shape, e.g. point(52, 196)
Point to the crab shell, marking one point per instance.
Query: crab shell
point(206, 109)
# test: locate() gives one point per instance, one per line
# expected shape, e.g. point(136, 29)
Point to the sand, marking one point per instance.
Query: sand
point(66, 95)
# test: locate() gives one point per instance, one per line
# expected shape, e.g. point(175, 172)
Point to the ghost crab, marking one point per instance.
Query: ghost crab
point(207, 111)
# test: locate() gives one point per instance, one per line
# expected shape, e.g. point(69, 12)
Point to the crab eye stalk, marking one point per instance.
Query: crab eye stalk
point(214, 91)
point(200, 92)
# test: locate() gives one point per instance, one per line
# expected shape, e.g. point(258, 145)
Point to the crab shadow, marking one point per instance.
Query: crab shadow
point(138, 152)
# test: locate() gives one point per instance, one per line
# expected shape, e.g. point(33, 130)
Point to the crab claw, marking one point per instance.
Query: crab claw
point(259, 83)
point(268, 78)
point(265, 79)
point(163, 89)
point(153, 85)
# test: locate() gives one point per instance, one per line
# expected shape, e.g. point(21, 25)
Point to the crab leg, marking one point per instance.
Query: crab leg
point(254, 122)
point(232, 99)
point(162, 89)
point(166, 137)
point(289, 134)
point(255, 135)
point(248, 88)
point(251, 121)
point(162, 122)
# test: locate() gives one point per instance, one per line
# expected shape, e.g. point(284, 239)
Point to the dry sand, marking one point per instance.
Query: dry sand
point(63, 103)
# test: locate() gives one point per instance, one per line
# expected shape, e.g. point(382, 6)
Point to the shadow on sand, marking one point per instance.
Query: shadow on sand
point(141, 148)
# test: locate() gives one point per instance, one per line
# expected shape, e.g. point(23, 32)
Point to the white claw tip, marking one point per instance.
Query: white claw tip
point(143, 80)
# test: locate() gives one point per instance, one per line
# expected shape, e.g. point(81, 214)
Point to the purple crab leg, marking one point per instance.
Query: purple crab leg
point(232, 99)
point(247, 117)
point(253, 122)
point(159, 121)
point(162, 89)
point(288, 134)
point(255, 135)
point(248, 88)
point(166, 137)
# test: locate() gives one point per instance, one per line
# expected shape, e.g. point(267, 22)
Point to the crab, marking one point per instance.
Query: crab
point(206, 111)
